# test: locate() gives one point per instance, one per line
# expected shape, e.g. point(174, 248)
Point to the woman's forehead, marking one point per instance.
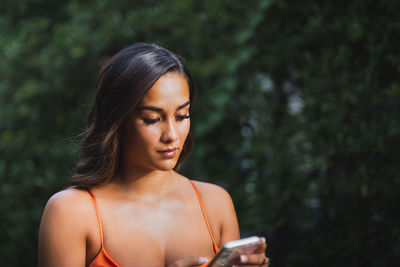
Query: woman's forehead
point(171, 89)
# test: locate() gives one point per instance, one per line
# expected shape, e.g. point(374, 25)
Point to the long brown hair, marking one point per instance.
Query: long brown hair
point(123, 81)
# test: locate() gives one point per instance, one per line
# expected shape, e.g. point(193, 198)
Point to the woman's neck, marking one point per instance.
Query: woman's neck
point(141, 182)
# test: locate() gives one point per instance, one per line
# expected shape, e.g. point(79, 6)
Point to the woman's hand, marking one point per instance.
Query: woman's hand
point(257, 258)
point(189, 262)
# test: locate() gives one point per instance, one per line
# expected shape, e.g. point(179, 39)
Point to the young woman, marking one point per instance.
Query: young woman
point(127, 205)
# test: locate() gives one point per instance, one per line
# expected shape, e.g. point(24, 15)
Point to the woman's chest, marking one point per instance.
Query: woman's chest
point(155, 236)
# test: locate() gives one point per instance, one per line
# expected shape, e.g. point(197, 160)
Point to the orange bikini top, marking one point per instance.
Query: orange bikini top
point(103, 259)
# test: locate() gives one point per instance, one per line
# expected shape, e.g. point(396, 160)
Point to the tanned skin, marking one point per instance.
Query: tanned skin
point(150, 214)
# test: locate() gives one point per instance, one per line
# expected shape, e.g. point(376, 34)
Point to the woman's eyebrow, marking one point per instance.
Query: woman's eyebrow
point(160, 109)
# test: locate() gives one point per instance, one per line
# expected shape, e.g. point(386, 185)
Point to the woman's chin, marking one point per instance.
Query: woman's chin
point(166, 166)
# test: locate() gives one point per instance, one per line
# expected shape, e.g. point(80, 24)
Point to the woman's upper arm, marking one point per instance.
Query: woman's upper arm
point(221, 211)
point(62, 234)
point(229, 223)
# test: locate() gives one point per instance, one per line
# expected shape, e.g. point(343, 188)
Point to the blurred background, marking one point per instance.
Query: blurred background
point(297, 114)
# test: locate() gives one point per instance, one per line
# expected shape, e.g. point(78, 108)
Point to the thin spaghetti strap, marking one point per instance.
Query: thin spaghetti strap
point(98, 218)
point(216, 249)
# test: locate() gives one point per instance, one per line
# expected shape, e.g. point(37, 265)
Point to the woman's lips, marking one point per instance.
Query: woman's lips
point(169, 153)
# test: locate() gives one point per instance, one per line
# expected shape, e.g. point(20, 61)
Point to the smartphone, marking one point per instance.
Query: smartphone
point(233, 249)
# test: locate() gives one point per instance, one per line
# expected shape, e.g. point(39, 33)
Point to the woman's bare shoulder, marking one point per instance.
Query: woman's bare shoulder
point(70, 199)
point(64, 228)
point(66, 206)
point(220, 209)
point(212, 191)
point(216, 199)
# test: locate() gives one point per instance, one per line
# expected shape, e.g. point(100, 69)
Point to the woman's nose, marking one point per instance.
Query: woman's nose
point(169, 134)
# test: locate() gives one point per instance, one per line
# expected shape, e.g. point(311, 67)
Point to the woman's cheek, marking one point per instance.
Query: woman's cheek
point(186, 128)
point(150, 135)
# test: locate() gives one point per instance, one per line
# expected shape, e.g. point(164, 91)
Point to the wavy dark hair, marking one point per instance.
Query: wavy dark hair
point(123, 81)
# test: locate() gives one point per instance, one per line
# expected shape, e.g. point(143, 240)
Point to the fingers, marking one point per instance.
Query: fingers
point(189, 262)
point(253, 260)
point(262, 247)
point(258, 258)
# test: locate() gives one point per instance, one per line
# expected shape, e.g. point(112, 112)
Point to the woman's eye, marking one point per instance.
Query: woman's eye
point(150, 121)
point(182, 117)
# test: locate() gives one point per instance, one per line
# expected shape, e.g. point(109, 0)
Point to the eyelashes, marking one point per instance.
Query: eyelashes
point(178, 118)
point(182, 117)
point(150, 121)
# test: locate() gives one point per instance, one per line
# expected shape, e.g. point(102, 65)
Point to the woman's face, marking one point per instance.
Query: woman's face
point(154, 134)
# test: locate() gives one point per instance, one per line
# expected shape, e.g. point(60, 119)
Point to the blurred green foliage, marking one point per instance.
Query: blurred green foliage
point(297, 114)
